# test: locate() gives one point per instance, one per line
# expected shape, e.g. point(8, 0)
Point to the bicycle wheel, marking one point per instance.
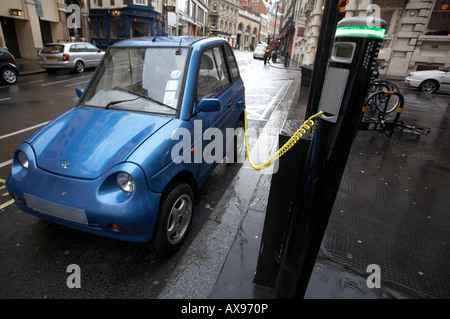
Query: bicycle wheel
point(382, 102)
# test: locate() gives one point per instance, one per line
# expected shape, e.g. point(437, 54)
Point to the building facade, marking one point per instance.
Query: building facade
point(111, 21)
point(192, 17)
point(25, 25)
point(223, 19)
point(417, 37)
point(248, 30)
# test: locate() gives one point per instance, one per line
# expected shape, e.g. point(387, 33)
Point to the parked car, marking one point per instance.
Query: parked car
point(429, 81)
point(69, 55)
point(259, 51)
point(128, 160)
point(9, 70)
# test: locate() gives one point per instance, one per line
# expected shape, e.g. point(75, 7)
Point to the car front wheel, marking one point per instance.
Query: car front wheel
point(174, 220)
point(429, 86)
point(79, 67)
point(9, 76)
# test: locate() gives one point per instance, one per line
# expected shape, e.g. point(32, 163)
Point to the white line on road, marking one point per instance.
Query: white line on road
point(72, 84)
point(6, 163)
point(51, 83)
point(36, 81)
point(5, 99)
point(24, 130)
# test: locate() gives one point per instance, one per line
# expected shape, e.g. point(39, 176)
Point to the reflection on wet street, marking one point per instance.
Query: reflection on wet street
point(392, 211)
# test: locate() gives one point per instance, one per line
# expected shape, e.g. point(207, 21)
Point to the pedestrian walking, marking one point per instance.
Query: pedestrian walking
point(267, 53)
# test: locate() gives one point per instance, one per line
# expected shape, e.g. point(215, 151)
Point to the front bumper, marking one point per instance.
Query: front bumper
point(92, 206)
point(411, 82)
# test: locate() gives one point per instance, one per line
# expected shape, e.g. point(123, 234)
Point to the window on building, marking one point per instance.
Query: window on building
point(200, 15)
point(439, 23)
point(194, 10)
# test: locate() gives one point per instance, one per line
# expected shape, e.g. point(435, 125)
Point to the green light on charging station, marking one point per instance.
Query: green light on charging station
point(360, 31)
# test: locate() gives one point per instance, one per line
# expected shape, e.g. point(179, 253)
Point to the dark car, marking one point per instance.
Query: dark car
point(9, 70)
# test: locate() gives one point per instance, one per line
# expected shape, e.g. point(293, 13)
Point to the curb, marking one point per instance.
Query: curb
point(200, 267)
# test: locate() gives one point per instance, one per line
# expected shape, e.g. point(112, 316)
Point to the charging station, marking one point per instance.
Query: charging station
point(352, 61)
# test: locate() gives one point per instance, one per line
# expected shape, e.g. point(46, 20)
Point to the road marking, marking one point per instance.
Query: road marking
point(24, 130)
point(6, 163)
point(57, 82)
point(72, 84)
point(5, 99)
point(31, 82)
point(7, 204)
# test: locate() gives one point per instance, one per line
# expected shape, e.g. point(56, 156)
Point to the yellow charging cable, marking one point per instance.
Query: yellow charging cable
point(286, 147)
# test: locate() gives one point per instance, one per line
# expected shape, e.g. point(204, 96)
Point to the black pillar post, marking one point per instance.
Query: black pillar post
point(329, 21)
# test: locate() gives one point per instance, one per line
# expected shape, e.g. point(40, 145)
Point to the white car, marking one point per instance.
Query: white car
point(69, 55)
point(259, 51)
point(430, 81)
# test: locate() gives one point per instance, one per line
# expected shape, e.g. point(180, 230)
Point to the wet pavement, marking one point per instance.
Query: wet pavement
point(391, 211)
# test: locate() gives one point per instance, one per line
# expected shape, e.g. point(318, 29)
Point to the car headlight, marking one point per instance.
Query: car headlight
point(23, 159)
point(125, 182)
point(410, 75)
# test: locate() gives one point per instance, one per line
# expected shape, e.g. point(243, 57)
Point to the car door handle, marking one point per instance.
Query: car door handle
point(230, 104)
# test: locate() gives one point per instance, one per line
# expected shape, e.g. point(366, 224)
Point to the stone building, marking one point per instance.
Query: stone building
point(26, 25)
point(417, 37)
point(223, 19)
point(248, 30)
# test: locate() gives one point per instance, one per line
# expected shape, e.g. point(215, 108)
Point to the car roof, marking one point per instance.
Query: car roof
point(65, 43)
point(172, 41)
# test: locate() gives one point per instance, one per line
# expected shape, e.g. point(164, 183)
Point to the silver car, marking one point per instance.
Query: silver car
point(69, 55)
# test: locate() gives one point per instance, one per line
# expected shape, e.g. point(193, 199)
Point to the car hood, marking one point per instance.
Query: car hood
point(85, 143)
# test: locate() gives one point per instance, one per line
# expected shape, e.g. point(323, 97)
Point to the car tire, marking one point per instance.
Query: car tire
point(9, 76)
point(174, 219)
point(429, 86)
point(79, 67)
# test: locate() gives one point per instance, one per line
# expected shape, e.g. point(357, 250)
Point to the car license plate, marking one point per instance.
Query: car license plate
point(52, 59)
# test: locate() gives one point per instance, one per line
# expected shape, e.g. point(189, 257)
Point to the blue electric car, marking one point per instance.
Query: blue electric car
point(128, 160)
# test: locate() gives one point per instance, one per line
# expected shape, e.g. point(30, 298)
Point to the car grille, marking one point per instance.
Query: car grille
point(56, 210)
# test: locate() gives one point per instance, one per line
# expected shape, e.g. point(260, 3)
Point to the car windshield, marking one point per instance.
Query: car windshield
point(138, 79)
point(260, 47)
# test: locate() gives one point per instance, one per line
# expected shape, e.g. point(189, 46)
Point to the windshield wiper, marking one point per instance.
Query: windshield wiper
point(119, 101)
point(153, 100)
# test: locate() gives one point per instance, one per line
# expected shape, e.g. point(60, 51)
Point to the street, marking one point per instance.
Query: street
point(35, 254)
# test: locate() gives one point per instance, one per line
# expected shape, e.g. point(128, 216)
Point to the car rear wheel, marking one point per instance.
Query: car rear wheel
point(9, 76)
point(174, 219)
point(79, 67)
point(429, 86)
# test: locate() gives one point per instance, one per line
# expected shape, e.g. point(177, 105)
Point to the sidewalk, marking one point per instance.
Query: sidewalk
point(29, 66)
point(391, 210)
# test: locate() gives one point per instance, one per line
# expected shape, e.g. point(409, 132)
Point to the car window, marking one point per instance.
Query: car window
point(222, 69)
point(213, 75)
point(78, 48)
point(91, 48)
point(53, 49)
point(232, 62)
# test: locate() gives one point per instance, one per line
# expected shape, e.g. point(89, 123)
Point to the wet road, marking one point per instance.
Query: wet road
point(35, 254)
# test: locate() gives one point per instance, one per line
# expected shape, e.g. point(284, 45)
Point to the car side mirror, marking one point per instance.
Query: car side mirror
point(79, 91)
point(208, 105)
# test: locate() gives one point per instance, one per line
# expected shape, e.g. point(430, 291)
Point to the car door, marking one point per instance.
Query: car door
point(213, 81)
point(94, 54)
